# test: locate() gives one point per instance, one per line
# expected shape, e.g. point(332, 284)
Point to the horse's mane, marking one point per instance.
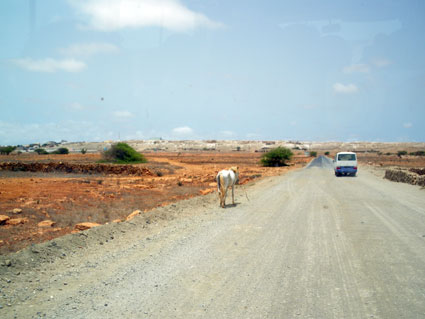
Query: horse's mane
point(235, 169)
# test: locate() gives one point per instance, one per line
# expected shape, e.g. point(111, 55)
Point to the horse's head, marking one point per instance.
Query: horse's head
point(235, 170)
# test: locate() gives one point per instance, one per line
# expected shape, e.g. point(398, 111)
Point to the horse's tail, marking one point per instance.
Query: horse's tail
point(218, 181)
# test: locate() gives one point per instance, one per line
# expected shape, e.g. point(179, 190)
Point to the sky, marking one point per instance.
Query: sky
point(99, 70)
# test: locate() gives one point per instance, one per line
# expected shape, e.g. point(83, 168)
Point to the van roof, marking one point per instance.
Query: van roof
point(346, 153)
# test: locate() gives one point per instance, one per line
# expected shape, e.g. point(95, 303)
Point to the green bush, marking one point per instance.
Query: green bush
point(276, 157)
point(7, 149)
point(400, 153)
point(327, 153)
point(41, 151)
point(83, 151)
point(62, 150)
point(122, 153)
point(418, 153)
point(313, 153)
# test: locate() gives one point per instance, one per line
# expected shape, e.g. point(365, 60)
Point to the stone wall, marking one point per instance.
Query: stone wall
point(115, 169)
point(405, 176)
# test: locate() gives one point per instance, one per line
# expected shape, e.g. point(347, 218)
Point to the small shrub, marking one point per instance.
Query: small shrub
point(400, 153)
point(122, 153)
point(418, 153)
point(276, 157)
point(83, 151)
point(327, 153)
point(41, 151)
point(61, 150)
point(7, 149)
point(313, 153)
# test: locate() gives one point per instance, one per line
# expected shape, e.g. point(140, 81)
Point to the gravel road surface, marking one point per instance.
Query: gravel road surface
point(303, 245)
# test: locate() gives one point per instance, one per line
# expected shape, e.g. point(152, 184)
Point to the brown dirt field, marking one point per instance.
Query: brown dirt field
point(407, 161)
point(68, 199)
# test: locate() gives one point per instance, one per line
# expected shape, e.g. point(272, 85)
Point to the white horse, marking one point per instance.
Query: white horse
point(225, 179)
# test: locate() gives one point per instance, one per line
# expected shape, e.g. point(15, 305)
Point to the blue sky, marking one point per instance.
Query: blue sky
point(99, 70)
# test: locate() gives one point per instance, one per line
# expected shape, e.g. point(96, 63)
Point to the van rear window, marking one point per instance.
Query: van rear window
point(346, 157)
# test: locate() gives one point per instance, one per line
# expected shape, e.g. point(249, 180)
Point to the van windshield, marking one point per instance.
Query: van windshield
point(346, 157)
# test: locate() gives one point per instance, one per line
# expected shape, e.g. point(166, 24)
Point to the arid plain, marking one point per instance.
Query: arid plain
point(44, 203)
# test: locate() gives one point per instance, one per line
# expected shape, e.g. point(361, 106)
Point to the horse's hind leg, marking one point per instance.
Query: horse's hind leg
point(233, 194)
point(224, 197)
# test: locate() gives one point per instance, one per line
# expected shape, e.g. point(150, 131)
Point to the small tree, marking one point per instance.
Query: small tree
point(276, 157)
point(327, 153)
point(61, 150)
point(400, 153)
point(313, 153)
point(122, 153)
point(7, 149)
point(83, 151)
point(418, 153)
point(41, 151)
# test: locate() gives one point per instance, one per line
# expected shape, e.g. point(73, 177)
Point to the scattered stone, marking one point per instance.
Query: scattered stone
point(34, 249)
point(116, 221)
point(46, 223)
point(8, 263)
point(16, 211)
point(16, 221)
point(206, 191)
point(134, 214)
point(86, 225)
point(3, 219)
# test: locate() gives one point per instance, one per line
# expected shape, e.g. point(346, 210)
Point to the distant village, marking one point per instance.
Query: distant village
point(35, 146)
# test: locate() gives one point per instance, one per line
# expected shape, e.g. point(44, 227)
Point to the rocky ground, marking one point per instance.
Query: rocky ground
point(292, 246)
point(43, 197)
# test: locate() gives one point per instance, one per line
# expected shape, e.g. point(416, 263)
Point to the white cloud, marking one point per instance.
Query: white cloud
point(345, 89)
point(253, 135)
point(183, 130)
point(227, 133)
point(381, 63)
point(76, 106)
point(407, 125)
point(88, 49)
point(308, 106)
point(356, 68)
point(50, 65)
point(123, 114)
point(109, 15)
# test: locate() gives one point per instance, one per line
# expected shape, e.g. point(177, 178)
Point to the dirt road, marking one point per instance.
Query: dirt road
point(303, 245)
